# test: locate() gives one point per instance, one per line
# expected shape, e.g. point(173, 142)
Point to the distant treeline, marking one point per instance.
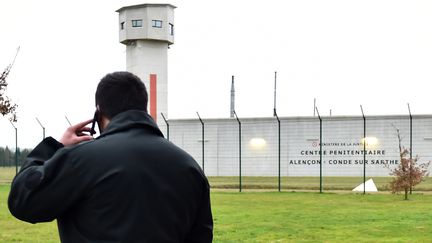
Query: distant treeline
point(7, 156)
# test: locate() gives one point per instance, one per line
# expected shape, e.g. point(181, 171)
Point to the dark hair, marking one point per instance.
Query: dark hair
point(121, 91)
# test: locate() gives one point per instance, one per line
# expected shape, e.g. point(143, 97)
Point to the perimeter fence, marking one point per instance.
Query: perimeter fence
point(285, 153)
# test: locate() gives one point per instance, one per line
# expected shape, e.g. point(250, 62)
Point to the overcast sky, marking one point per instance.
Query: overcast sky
point(343, 53)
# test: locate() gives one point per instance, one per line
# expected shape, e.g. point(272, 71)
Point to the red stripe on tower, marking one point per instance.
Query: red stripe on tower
point(153, 96)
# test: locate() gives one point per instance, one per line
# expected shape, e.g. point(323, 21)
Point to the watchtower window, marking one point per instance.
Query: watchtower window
point(171, 29)
point(137, 23)
point(122, 25)
point(157, 23)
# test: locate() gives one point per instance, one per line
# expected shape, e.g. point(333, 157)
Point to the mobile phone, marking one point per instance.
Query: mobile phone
point(95, 119)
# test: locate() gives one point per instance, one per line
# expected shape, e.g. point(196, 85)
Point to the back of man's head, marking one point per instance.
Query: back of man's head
point(120, 91)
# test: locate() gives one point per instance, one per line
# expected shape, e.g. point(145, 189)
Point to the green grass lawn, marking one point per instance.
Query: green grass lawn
point(285, 217)
point(314, 217)
point(291, 183)
point(13, 230)
point(6, 174)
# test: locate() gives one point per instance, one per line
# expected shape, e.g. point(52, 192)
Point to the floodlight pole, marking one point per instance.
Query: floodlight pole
point(16, 147)
point(409, 110)
point(364, 150)
point(320, 141)
point(240, 175)
point(202, 140)
point(166, 122)
point(43, 128)
point(279, 151)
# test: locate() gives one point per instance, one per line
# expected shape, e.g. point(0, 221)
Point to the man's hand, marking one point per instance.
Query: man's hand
point(74, 134)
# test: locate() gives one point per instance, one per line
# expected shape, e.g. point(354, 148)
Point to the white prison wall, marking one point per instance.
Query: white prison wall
point(342, 144)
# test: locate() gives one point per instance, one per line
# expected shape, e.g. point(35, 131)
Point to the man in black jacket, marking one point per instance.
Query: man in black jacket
point(128, 185)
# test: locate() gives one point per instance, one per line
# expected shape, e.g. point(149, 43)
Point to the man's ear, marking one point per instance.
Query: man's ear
point(103, 122)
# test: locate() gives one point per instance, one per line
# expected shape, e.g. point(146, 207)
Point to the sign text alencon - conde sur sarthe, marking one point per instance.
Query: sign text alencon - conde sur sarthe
point(343, 156)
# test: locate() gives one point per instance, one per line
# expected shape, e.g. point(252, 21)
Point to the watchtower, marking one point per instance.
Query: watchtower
point(147, 30)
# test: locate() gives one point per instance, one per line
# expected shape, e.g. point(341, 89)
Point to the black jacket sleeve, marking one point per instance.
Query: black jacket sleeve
point(202, 230)
point(44, 187)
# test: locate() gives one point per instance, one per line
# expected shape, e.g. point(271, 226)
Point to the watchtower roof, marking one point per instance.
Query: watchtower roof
point(145, 5)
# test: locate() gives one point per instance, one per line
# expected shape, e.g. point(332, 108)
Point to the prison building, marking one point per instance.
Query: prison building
point(262, 145)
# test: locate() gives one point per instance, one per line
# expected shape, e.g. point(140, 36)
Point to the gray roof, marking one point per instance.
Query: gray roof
point(145, 6)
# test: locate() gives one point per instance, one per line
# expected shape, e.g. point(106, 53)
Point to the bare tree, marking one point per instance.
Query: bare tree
point(7, 107)
point(409, 172)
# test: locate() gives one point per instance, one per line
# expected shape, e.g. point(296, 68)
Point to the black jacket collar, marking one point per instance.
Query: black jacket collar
point(130, 119)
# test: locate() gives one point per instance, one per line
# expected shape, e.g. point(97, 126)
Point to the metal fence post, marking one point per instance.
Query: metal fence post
point(279, 152)
point(364, 150)
point(43, 128)
point(240, 175)
point(166, 124)
point(202, 140)
point(409, 110)
point(67, 119)
point(320, 141)
point(16, 147)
